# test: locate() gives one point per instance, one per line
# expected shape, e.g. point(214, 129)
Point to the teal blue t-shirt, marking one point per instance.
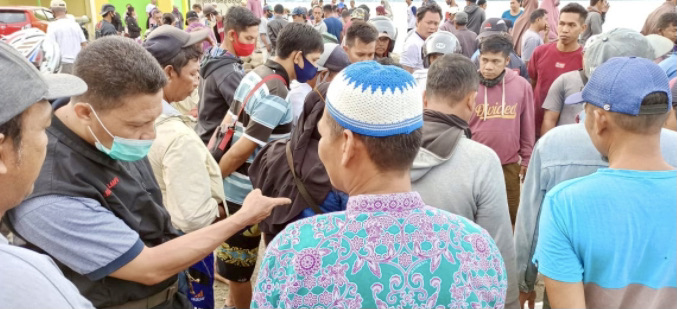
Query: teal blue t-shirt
point(507, 15)
point(615, 231)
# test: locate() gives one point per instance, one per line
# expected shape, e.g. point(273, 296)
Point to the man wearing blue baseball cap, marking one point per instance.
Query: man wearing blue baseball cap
point(609, 239)
point(387, 249)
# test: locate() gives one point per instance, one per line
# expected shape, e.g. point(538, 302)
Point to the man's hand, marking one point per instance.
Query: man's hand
point(523, 173)
point(529, 297)
point(257, 207)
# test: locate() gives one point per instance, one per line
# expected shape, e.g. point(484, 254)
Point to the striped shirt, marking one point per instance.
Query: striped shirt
point(266, 117)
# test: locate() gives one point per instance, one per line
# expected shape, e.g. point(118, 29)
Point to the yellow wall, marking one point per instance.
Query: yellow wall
point(75, 7)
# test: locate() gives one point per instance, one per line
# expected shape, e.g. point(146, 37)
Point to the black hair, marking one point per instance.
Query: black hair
point(278, 9)
point(452, 76)
point(130, 10)
point(197, 6)
point(481, 2)
point(535, 15)
point(391, 153)
point(345, 13)
point(168, 19)
point(496, 44)
point(12, 130)
point(361, 30)
point(111, 68)
point(576, 9)
point(327, 8)
point(239, 19)
point(185, 55)
point(666, 20)
point(433, 8)
point(389, 61)
point(298, 36)
point(644, 124)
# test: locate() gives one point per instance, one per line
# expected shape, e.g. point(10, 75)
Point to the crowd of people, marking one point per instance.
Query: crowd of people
point(140, 166)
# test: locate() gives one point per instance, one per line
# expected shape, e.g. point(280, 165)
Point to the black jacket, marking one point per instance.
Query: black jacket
point(220, 77)
point(133, 28)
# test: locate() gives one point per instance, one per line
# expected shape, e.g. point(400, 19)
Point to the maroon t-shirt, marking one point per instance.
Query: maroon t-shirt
point(546, 64)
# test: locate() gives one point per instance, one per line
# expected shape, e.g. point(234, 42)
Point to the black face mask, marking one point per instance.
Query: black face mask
point(491, 82)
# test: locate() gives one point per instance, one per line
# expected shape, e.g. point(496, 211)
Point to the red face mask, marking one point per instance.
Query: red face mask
point(241, 49)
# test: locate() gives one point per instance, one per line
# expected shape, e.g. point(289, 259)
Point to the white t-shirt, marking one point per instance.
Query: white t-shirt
point(411, 18)
point(296, 97)
point(411, 55)
point(68, 35)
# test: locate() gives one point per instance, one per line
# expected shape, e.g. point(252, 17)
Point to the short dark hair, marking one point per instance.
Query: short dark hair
point(239, 19)
point(472, 1)
point(666, 20)
point(481, 2)
point(452, 76)
point(389, 61)
point(12, 130)
point(644, 124)
point(298, 36)
point(433, 8)
point(185, 55)
point(197, 6)
point(345, 13)
point(575, 8)
point(391, 153)
point(168, 19)
point(116, 67)
point(535, 15)
point(327, 8)
point(496, 44)
point(361, 30)
point(278, 9)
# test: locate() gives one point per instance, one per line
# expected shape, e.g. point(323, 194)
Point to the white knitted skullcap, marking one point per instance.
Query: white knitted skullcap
point(375, 100)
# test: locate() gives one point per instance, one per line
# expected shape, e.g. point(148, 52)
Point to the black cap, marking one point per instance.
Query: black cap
point(192, 14)
point(107, 8)
point(165, 42)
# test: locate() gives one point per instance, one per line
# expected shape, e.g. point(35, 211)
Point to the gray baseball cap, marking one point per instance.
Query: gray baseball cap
point(165, 42)
point(461, 18)
point(26, 86)
point(334, 58)
point(619, 42)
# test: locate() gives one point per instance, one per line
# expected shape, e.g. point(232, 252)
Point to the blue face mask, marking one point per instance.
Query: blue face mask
point(123, 149)
point(307, 73)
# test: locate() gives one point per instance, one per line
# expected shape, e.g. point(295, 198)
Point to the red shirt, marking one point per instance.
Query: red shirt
point(546, 64)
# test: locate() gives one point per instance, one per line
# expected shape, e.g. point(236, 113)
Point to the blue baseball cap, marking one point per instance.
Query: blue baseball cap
point(620, 84)
point(299, 10)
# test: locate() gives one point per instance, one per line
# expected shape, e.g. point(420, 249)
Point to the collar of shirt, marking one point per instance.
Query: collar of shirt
point(278, 69)
point(169, 110)
point(216, 51)
point(394, 202)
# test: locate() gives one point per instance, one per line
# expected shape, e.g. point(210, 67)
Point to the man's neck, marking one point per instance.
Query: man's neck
point(447, 108)
point(227, 45)
point(59, 16)
point(288, 66)
point(108, 19)
point(513, 13)
point(637, 152)
point(67, 115)
point(460, 27)
point(573, 46)
point(380, 183)
point(534, 28)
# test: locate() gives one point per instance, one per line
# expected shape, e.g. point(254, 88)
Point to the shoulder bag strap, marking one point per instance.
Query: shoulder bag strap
point(299, 184)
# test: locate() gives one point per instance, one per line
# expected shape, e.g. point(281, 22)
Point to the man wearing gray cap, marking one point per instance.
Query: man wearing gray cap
point(467, 38)
point(29, 279)
point(570, 144)
point(97, 208)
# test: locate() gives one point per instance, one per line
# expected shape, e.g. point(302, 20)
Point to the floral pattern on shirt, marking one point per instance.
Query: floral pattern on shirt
point(384, 251)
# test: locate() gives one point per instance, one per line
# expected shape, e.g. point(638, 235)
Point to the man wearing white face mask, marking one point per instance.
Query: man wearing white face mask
point(97, 209)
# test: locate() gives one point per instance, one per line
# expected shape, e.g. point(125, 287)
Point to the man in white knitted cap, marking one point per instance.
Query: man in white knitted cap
point(388, 249)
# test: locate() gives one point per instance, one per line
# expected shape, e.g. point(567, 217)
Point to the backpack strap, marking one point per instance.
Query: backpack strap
point(299, 184)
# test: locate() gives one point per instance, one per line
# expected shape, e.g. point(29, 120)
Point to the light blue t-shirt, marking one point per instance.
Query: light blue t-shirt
point(615, 231)
point(669, 65)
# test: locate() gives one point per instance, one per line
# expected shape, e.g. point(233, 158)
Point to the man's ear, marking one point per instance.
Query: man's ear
point(349, 147)
point(298, 59)
point(425, 99)
point(4, 149)
point(601, 121)
point(170, 72)
point(470, 100)
point(83, 111)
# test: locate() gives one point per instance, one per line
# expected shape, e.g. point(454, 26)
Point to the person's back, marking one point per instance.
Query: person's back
point(468, 40)
point(594, 21)
point(592, 250)
point(70, 38)
point(275, 25)
point(334, 26)
point(352, 258)
point(476, 16)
